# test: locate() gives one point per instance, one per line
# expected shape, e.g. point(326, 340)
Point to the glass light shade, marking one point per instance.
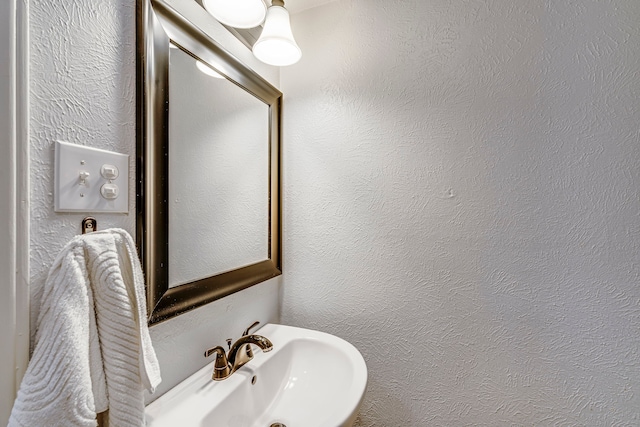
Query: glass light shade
point(276, 45)
point(208, 70)
point(237, 13)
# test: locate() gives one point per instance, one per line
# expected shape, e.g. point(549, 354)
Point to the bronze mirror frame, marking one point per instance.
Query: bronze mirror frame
point(158, 24)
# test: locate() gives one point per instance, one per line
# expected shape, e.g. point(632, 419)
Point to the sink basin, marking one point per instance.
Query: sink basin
point(309, 379)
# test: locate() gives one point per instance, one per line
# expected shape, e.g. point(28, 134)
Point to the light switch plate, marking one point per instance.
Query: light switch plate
point(77, 192)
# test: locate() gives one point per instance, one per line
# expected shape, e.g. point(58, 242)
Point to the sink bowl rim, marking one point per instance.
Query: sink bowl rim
point(283, 335)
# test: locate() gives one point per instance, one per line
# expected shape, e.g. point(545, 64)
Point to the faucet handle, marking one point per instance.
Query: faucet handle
point(248, 349)
point(253, 325)
point(210, 351)
point(221, 368)
point(229, 341)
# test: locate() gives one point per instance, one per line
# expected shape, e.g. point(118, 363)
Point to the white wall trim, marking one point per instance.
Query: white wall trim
point(14, 193)
point(7, 210)
point(23, 188)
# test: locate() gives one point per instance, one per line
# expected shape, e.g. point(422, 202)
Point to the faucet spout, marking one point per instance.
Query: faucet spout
point(238, 356)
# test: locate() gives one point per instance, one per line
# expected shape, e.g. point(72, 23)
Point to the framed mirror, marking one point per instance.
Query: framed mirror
point(208, 167)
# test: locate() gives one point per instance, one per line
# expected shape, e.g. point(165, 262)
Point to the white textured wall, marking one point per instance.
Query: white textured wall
point(83, 91)
point(462, 203)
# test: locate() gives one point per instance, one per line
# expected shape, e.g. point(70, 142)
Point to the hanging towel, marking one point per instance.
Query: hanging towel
point(92, 348)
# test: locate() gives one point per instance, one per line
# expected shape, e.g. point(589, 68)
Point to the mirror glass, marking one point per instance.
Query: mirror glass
point(218, 173)
point(208, 165)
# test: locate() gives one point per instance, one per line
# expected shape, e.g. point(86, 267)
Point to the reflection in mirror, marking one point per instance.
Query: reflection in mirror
point(208, 166)
point(218, 173)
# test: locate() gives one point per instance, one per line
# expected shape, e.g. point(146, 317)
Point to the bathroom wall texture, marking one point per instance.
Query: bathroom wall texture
point(83, 87)
point(462, 202)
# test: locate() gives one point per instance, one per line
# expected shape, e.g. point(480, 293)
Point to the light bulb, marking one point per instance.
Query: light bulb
point(276, 45)
point(208, 70)
point(237, 13)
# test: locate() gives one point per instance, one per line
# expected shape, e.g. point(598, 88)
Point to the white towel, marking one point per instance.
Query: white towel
point(92, 348)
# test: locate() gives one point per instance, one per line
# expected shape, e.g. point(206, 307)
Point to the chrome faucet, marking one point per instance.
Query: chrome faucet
point(239, 354)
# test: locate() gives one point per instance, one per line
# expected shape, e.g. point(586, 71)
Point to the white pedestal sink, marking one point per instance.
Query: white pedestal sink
point(309, 379)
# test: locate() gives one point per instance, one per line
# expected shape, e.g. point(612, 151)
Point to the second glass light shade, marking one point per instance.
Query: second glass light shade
point(276, 45)
point(237, 13)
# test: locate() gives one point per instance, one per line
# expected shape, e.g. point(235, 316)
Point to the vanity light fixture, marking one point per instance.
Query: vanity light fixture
point(237, 13)
point(276, 45)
